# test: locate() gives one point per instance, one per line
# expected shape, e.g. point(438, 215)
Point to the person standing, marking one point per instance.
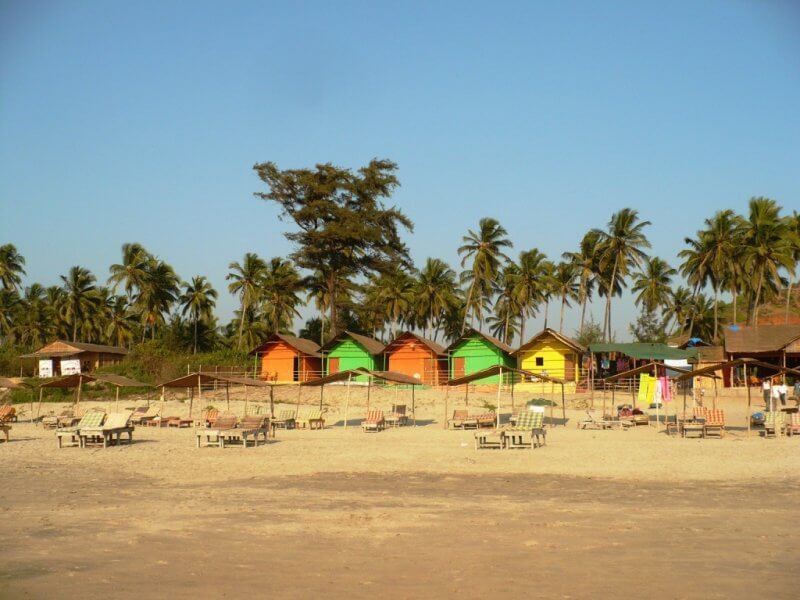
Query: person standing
point(776, 395)
point(766, 390)
point(782, 391)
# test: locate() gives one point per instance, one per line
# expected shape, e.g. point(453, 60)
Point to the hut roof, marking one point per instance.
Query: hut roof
point(707, 354)
point(10, 384)
point(568, 341)
point(302, 345)
point(492, 340)
point(60, 348)
point(763, 338)
point(391, 376)
point(119, 380)
point(645, 350)
point(191, 380)
point(430, 344)
point(735, 363)
point(369, 344)
point(70, 381)
point(496, 370)
point(648, 368)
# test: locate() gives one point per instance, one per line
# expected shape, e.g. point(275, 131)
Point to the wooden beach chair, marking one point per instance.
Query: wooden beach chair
point(528, 432)
point(397, 417)
point(249, 428)
point(111, 431)
point(287, 419)
point(488, 419)
point(8, 414)
point(490, 439)
point(62, 419)
point(460, 416)
point(210, 436)
point(312, 419)
point(92, 419)
point(793, 426)
point(591, 423)
point(774, 423)
point(374, 421)
point(141, 418)
point(207, 418)
point(4, 429)
point(714, 425)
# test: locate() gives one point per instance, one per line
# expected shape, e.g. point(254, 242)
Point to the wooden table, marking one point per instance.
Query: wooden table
point(489, 439)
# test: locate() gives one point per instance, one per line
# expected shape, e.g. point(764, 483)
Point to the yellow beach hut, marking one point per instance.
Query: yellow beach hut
point(551, 353)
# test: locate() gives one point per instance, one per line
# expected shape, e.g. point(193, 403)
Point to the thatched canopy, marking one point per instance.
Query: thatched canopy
point(388, 376)
point(648, 368)
point(750, 362)
point(498, 369)
point(120, 381)
point(761, 339)
point(10, 384)
point(70, 381)
point(193, 379)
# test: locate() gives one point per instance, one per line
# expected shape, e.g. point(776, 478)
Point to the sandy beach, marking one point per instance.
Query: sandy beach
point(406, 513)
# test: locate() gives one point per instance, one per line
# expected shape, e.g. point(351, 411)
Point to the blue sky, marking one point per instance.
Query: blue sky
point(141, 121)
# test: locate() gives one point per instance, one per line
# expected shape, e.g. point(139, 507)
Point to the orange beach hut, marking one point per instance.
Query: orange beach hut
point(418, 357)
point(285, 358)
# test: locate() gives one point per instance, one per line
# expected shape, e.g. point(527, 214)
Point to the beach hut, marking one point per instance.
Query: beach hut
point(776, 344)
point(419, 357)
point(551, 353)
point(61, 358)
point(349, 351)
point(475, 351)
point(285, 359)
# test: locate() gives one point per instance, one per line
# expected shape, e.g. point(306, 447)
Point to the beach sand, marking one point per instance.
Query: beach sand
point(405, 513)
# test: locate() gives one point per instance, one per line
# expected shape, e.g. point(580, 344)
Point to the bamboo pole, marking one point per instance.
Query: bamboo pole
point(747, 385)
point(245, 400)
point(658, 400)
point(347, 401)
point(116, 400)
point(413, 405)
point(80, 384)
point(227, 395)
point(39, 408)
point(271, 402)
point(297, 403)
point(321, 392)
point(446, 394)
point(369, 386)
point(499, 389)
point(714, 401)
point(563, 405)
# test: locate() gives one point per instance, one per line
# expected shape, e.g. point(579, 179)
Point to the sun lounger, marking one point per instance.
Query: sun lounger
point(793, 426)
point(64, 419)
point(111, 431)
point(591, 423)
point(714, 425)
point(287, 419)
point(459, 418)
point(249, 428)
point(216, 435)
point(774, 423)
point(528, 432)
point(490, 439)
point(92, 419)
point(311, 419)
point(142, 418)
point(207, 418)
point(488, 419)
point(5, 428)
point(374, 421)
point(398, 417)
point(8, 414)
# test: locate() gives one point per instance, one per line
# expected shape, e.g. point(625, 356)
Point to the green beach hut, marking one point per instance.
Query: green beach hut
point(475, 351)
point(350, 350)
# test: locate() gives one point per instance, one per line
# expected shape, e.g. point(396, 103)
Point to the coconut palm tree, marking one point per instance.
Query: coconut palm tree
point(198, 299)
point(793, 223)
point(9, 305)
point(547, 287)
point(12, 267)
point(678, 308)
point(436, 292)
point(131, 273)
point(245, 281)
point(767, 248)
point(33, 324)
point(529, 289)
point(484, 249)
point(721, 242)
point(506, 307)
point(652, 285)
point(157, 293)
point(79, 299)
point(621, 248)
point(121, 322)
point(586, 261)
point(566, 287)
point(393, 296)
point(280, 288)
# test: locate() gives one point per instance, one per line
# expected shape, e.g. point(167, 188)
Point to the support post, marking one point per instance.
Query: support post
point(369, 386)
point(116, 399)
point(271, 402)
point(245, 400)
point(446, 394)
point(413, 405)
point(227, 394)
point(39, 408)
point(747, 386)
point(499, 389)
point(658, 400)
point(80, 384)
point(563, 405)
point(347, 401)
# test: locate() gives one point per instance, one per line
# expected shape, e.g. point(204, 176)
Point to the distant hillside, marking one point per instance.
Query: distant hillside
point(775, 312)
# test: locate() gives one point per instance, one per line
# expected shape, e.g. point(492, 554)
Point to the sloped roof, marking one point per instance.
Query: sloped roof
point(76, 346)
point(120, 380)
point(390, 376)
point(499, 369)
point(369, 344)
point(68, 381)
point(642, 350)
point(302, 345)
point(492, 340)
point(710, 354)
point(763, 338)
point(568, 341)
point(430, 344)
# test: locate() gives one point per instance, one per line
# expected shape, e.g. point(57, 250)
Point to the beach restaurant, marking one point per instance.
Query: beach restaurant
point(61, 358)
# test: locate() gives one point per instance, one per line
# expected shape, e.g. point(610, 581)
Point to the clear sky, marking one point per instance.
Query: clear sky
point(140, 121)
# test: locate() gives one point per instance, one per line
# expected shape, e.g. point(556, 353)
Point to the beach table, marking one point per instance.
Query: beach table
point(692, 427)
point(489, 439)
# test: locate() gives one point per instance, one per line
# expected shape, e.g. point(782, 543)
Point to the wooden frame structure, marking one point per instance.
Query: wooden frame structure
point(196, 380)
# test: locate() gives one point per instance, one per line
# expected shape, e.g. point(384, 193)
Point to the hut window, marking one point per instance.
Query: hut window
point(540, 361)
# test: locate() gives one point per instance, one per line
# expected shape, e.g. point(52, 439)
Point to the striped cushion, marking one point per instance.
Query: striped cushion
point(286, 415)
point(374, 416)
point(715, 417)
point(773, 420)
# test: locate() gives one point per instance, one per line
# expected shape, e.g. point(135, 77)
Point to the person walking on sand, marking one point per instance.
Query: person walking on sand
point(776, 395)
point(766, 390)
point(782, 390)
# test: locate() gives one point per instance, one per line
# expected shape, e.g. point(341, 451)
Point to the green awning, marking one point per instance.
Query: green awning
point(644, 350)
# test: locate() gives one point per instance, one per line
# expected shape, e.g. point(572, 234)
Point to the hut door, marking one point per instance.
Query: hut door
point(333, 365)
point(459, 367)
point(569, 368)
point(296, 368)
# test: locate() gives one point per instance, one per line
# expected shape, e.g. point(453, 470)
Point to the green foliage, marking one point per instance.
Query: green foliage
point(648, 328)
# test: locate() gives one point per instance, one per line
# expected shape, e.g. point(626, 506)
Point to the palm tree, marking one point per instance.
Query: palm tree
point(586, 261)
point(529, 289)
point(157, 293)
point(653, 284)
point(721, 245)
point(394, 294)
point(34, 322)
point(546, 287)
point(767, 248)
point(436, 292)
point(121, 322)
point(9, 303)
point(621, 249)
point(565, 286)
point(12, 267)
point(245, 280)
point(80, 299)
point(131, 273)
point(793, 223)
point(280, 287)
point(485, 250)
point(506, 308)
point(198, 299)
point(678, 308)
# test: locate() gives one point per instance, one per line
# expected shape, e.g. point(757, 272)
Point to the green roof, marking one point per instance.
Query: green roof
point(645, 350)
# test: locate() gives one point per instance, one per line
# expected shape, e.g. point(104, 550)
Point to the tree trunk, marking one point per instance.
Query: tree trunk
point(546, 311)
point(195, 335)
point(694, 297)
point(758, 296)
point(735, 298)
point(522, 326)
point(241, 323)
point(788, 300)
point(716, 304)
point(332, 308)
point(561, 320)
point(466, 307)
point(583, 313)
point(609, 293)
